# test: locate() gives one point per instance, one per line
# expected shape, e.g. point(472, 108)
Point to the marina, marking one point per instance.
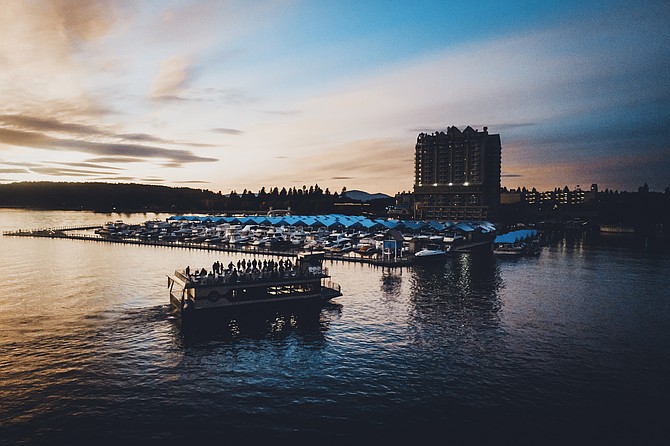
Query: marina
point(389, 243)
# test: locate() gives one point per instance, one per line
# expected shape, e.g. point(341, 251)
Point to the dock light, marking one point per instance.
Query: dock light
point(451, 184)
point(434, 184)
point(466, 184)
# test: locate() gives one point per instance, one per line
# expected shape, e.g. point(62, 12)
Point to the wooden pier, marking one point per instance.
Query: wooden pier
point(62, 233)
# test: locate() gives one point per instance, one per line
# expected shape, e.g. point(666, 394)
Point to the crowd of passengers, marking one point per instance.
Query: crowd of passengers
point(246, 270)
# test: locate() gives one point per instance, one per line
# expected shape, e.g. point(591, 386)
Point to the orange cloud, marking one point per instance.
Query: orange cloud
point(86, 20)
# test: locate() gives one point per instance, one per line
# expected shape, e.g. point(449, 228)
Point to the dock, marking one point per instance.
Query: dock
point(65, 233)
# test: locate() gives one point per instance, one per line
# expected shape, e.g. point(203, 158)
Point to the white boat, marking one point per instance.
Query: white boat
point(531, 248)
point(510, 249)
point(430, 252)
point(239, 239)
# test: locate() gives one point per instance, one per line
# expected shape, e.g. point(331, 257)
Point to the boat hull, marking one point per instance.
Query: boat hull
point(430, 257)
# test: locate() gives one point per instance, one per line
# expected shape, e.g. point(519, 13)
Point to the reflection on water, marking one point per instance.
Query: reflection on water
point(467, 282)
point(391, 280)
point(309, 325)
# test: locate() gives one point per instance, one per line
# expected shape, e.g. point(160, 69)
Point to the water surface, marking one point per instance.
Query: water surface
point(568, 347)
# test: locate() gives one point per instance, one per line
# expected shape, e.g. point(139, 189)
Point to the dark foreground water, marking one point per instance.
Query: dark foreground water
point(572, 347)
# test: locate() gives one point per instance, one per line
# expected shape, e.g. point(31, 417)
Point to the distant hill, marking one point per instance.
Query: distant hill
point(364, 196)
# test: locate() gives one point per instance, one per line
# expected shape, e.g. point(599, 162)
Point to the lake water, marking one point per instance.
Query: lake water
point(571, 347)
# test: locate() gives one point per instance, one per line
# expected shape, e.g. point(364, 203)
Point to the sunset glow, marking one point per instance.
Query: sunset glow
point(241, 95)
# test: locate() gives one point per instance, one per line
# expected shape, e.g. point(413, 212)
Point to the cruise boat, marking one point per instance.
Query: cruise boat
point(261, 284)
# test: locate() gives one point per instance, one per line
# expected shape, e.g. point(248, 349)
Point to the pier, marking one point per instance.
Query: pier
point(63, 233)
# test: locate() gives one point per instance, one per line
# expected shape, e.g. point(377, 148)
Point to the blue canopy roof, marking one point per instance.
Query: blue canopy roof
point(436, 225)
point(516, 236)
point(413, 225)
point(339, 221)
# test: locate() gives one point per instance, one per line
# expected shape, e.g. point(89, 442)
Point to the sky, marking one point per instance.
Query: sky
point(243, 94)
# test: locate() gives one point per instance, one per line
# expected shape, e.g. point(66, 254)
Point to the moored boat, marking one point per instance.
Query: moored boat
point(617, 229)
point(248, 286)
point(518, 249)
point(430, 252)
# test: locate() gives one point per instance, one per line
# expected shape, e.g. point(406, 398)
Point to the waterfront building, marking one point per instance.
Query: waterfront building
point(552, 198)
point(457, 175)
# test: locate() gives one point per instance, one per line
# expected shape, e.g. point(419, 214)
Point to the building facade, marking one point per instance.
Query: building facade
point(457, 175)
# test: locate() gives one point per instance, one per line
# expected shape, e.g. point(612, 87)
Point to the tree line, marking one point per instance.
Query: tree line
point(142, 197)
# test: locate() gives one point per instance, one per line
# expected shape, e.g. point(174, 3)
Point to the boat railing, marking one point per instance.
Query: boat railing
point(255, 276)
point(332, 285)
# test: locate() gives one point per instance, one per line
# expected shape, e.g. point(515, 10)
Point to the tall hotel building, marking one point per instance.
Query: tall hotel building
point(457, 175)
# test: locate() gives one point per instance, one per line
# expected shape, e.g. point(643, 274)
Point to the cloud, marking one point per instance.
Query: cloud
point(573, 91)
point(90, 166)
point(40, 45)
point(283, 112)
point(115, 160)
point(64, 172)
point(172, 78)
point(228, 131)
point(83, 21)
point(14, 170)
point(224, 96)
point(23, 138)
point(19, 164)
point(49, 125)
point(40, 139)
point(131, 150)
point(52, 125)
point(142, 137)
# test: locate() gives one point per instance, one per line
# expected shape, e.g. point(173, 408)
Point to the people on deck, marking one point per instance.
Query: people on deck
point(247, 270)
